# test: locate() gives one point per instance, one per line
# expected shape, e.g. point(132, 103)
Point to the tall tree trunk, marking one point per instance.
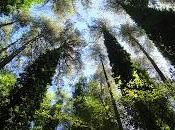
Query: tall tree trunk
point(29, 91)
point(4, 49)
point(119, 59)
point(121, 65)
point(7, 24)
point(158, 24)
point(117, 115)
point(162, 76)
point(7, 59)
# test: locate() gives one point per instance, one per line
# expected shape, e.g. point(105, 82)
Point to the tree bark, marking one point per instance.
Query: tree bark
point(32, 86)
point(162, 76)
point(3, 49)
point(112, 98)
point(7, 59)
point(7, 24)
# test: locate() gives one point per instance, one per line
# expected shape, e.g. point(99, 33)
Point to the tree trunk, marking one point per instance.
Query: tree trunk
point(15, 53)
point(158, 24)
point(120, 60)
point(31, 86)
point(7, 24)
point(117, 115)
point(162, 76)
point(121, 65)
point(3, 49)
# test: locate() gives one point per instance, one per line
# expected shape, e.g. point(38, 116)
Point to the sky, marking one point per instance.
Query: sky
point(82, 19)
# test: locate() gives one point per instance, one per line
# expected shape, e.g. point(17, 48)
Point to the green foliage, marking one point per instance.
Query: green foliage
point(93, 107)
point(142, 95)
point(8, 6)
point(28, 3)
point(48, 114)
point(7, 81)
point(140, 90)
point(29, 91)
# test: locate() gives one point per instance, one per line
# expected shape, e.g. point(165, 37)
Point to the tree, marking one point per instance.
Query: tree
point(119, 58)
point(90, 109)
point(99, 56)
point(9, 58)
point(30, 88)
point(40, 31)
point(158, 25)
point(112, 98)
point(122, 65)
point(142, 95)
point(12, 5)
point(34, 84)
point(127, 32)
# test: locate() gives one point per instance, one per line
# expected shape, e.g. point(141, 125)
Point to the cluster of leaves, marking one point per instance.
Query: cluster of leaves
point(139, 90)
point(64, 7)
point(7, 81)
point(93, 106)
point(85, 110)
point(11, 5)
point(150, 98)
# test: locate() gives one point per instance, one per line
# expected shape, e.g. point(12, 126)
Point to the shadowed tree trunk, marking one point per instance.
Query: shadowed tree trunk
point(9, 58)
point(162, 76)
point(121, 65)
point(117, 115)
point(159, 26)
point(7, 24)
point(29, 91)
point(10, 45)
point(119, 59)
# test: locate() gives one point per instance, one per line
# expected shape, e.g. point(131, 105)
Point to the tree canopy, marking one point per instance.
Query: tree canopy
point(87, 65)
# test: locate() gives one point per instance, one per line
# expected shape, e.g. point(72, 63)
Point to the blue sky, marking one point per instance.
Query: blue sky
point(84, 17)
point(81, 19)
